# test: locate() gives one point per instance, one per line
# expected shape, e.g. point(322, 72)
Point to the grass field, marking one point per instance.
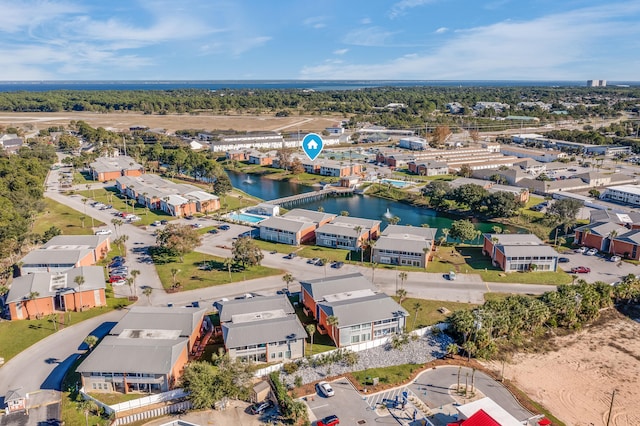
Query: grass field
point(394, 375)
point(16, 336)
point(469, 260)
point(191, 276)
point(429, 311)
point(67, 219)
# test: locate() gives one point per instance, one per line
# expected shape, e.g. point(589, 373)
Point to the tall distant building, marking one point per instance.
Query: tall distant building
point(596, 83)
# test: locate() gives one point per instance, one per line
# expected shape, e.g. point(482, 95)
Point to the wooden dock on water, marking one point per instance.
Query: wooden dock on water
point(306, 197)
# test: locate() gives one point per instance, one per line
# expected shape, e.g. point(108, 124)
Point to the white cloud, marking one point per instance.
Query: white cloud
point(340, 51)
point(365, 21)
point(442, 30)
point(369, 36)
point(400, 7)
point(565, 46)
point(316, 22)
point(18, 15)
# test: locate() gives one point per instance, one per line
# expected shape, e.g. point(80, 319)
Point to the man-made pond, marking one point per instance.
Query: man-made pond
point(358, 205)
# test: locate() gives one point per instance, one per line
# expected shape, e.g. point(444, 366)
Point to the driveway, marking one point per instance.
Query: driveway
point(350, 407)
point(601, 269)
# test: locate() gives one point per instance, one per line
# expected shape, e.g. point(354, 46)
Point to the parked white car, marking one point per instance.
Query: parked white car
point(133, 218)
point(104, 232)
point(582, 250)
point(615, 259)
point(592, 252)
point(325, 389)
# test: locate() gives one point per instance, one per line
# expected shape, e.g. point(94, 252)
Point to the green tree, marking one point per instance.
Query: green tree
point(222, 184)
point(402, 294)
point(179, 239)
point(228, 264)
point(333, 322)
point(91, 341)
point(564, 212)
point(462, 230)
point(246, 252)
point(311, 329)
point(417, 307)
point(147, 292)
point(53, 231)
point(452, 349)
point(134, 276)
point(470, 195)
point(79, 280)
point(288, 279)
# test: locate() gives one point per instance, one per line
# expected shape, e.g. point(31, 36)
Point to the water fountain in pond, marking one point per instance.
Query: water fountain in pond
point(248, 180)
point(387, 214)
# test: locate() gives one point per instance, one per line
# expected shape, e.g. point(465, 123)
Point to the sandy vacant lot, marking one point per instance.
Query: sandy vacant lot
point(124, 120)
point(575, 382)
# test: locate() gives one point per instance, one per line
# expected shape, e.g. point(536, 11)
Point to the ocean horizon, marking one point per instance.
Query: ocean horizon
point(317, 85)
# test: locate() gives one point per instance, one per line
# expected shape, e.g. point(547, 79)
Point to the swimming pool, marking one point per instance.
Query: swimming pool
point(245, 217)
point(396, 183)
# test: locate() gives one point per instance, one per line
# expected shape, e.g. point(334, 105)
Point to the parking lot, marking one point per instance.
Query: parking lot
point(601, 268)
point(350, 407)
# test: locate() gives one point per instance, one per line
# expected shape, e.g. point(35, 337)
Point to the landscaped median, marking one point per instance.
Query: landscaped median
point(200, 270)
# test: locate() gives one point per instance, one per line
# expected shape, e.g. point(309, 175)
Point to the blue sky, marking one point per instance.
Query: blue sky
point(320, 39)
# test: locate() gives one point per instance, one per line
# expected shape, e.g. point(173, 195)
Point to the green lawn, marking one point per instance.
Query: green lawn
point(469, 260)
point(190, 276)
point(16, 336)
point(107, 196)
point(429, 311)
point(82, 178)
point(321, 342)
point(325, 252)
point(394, 375)
point(280, 248)
point(67, 219)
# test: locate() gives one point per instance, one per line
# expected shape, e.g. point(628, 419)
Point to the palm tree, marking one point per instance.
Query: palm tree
point(324, 262)
point(311, 329)
point(403, 277)
point(416, 308)
point(333, 321)
point(33, 296)
point(402, 294)
point(134, 275)
point(174, 273)
point(344, 213)
point(147, 292)
point(394, 220)
point(612, 235)
point(91, 341)
point(130, 282)
point(358, 230)
point(79, 280)
point(288, 279)
point(374, 265)
point(452, 349)
point(117, 223)
point(445, 234)
point(228, 263)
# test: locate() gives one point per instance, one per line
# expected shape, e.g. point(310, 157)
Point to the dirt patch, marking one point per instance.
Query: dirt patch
point(124, 120)
point(575, 382)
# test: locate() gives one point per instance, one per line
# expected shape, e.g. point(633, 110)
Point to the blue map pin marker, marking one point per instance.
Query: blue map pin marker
point(312, 145)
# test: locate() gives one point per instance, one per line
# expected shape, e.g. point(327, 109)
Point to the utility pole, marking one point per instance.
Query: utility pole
point(613, 394)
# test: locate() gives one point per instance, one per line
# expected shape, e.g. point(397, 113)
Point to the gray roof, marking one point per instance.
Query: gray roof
point(264, 331)
point(355, 221)
point(75, 241)
point(341, 230)
point(363, 310)
point(111, 164)
point(228, 308)
point(14, 394)
point(408, 243)
point(155, 186)
point(416, 231)
point(48, 284)
point(321, 287)
point(127, 355)
point(603, 229)
point(515, 239)
point(310, 215)
point(632, 237)
point(527, 251)
point(612, 216)
point(160, 318)
point(286, 224)
point(54, 257)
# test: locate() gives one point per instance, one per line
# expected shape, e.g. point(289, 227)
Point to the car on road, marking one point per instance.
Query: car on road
point(290, 255)
point(580, 270)
point(313, 261)
point(213, 231)
point(164, 222)
point(189, 217)
point(224, 227)
point(133, 218)
point(104, 232)
point(115, 278)
point(331, 420)
point(592, 252)
point(582, 250)
point(337, 265)
point(451, 276)
point(325, 389)
point(119, 271)
point(196, 225)
point(260, 407)
point(564, 260)
point(156, 223)
point(118, 283)
point(615, 259)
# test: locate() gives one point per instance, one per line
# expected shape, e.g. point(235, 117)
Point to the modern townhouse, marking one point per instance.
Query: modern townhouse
point(404, 245)
point(64, 252)
point(520, 252)
point(105, 169)
point(261, 329)
point(347, 232)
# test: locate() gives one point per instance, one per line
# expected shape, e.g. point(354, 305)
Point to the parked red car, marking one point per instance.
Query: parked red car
point(332, 420)
point(580, 270)
point(115, 278)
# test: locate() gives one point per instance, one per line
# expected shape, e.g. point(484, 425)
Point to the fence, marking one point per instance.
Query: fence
point(137, 403)
point(420, 332)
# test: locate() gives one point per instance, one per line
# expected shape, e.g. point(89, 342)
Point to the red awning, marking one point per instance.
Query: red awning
point(544, 422)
